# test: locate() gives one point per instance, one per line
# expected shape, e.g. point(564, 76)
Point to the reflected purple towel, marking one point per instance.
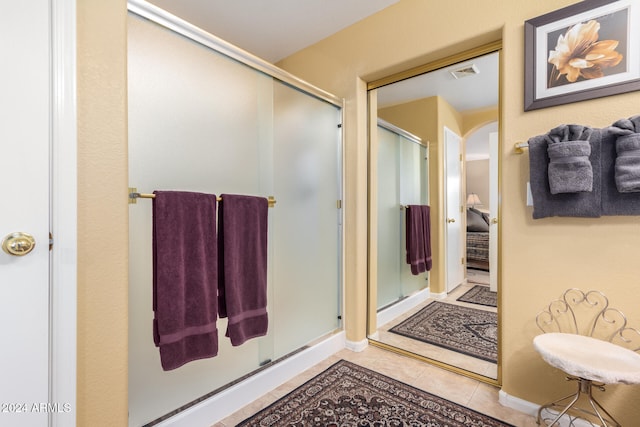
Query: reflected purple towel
point(184, 277)
point(418, 239)
point(242, 283)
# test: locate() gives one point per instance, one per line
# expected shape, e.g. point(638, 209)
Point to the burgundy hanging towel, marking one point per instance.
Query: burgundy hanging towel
point(418, 238)
point(242, 252)
point(185, 275)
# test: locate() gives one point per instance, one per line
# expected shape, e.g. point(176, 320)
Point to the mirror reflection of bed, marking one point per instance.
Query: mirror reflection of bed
point(481, 192)
point(410, 317)
point(477, 239)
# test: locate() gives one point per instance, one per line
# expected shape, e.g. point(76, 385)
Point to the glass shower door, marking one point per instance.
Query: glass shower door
point(306, 226)
point(200, 121)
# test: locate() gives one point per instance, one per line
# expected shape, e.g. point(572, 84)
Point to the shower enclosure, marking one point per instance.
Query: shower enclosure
point(402, 178)
point(203, 119)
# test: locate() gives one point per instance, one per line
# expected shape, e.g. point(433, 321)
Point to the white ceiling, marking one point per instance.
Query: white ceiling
point(272, 29)
point(466, 93)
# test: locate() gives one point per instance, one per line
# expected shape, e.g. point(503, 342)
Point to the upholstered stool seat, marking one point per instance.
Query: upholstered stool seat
point(592, 344)
point(589, 358)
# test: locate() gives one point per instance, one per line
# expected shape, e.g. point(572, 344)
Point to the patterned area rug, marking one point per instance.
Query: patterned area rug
point(350, 395)
point(466, 330)
point(480, 295)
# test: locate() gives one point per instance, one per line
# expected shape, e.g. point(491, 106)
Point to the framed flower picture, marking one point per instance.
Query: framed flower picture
point(587, 50)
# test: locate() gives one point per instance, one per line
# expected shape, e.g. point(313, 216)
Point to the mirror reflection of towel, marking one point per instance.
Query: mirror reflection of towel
point(418, 238)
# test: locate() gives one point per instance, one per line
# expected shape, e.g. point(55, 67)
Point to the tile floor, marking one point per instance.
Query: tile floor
point(460, 360)
point(457, 388)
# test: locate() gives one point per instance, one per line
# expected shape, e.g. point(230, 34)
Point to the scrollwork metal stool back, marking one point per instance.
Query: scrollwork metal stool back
point(593, 345)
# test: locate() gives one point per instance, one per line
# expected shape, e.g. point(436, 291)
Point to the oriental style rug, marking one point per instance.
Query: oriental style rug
point(480, 295)
point(350, 395)
point(465, 330)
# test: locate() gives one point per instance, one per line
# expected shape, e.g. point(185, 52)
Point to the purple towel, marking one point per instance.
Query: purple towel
point(418, 228)
point(242, 248)
point(184, 277)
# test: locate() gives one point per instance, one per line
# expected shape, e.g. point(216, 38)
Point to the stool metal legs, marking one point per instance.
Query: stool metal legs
point(595, 410)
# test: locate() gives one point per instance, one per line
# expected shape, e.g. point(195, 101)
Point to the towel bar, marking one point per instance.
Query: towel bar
point(520, 147)
point(134, 195)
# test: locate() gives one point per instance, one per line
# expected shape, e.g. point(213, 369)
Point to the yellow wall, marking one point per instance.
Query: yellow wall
point(474, 119)
point(477, 180)
point(540, 258)
point(102, 213)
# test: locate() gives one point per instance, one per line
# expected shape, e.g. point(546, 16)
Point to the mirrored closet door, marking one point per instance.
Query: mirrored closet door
point(446, 312)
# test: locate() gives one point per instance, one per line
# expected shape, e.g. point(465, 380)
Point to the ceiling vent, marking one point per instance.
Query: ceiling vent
point(468, 70)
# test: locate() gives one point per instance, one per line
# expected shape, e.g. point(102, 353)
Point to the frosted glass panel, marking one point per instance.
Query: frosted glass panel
point(306, 180)
point(401, 180)
point(183, 137)
point(410, 184)
point(389, 218)
point(199, 121)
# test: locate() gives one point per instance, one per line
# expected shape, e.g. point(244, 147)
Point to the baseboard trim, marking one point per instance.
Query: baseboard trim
point(220, 406)
point(439, 295)
point(356, 346)
point(403, 306)
point(518, 404)
point(531, 408)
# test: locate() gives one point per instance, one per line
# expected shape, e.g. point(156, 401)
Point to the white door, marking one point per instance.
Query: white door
point(453, 242)
point(24, 207)
point(493, 211)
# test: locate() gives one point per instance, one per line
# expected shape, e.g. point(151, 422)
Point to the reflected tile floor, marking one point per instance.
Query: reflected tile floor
point(450, 357)
point(457, 388)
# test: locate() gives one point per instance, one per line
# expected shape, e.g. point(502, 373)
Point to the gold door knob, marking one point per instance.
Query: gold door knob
point(451, 220)
point(18, 244)
point(494, 220)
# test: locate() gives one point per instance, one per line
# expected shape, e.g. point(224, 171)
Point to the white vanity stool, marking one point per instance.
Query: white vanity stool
point(603, 351)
